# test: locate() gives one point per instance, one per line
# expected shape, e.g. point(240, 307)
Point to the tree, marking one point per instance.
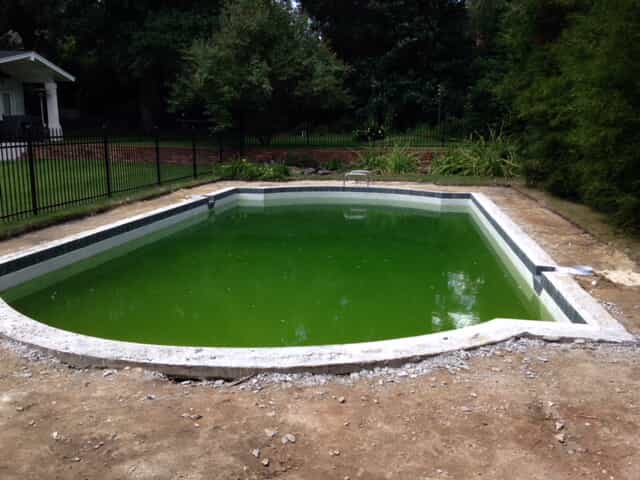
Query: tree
point(263, 70)
point(402, 52)
point(25, 23)
point(136, 46)
point(124, 53)
point(483, 109)
point(599, 55)
point(571, 84)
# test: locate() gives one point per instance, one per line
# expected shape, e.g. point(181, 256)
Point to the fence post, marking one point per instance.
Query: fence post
point(220, 147)
point(107, 160)
point(444, 131)
point(194, 152)
point(156, 139)
point(32, 171)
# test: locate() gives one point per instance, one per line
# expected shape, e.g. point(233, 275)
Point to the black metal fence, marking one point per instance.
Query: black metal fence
point(41, 174)
point(42, 171)
point(419, 137)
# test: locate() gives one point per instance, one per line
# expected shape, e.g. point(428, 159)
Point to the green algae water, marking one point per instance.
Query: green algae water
point(286, 276)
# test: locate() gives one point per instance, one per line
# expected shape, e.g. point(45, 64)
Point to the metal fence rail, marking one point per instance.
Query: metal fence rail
point(421, 136)
point(41, 174)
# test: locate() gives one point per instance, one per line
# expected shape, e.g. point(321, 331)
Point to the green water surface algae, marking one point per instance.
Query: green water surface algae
point(284, 276)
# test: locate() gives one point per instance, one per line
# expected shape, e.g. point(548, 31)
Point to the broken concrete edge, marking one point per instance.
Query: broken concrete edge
point(212, 362)
point(83, 351)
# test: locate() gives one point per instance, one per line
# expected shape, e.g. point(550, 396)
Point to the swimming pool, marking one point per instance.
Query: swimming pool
point(292, 278)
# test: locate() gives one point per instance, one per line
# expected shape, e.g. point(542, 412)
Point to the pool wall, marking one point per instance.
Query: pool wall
point(25, 265)
point(576, 313)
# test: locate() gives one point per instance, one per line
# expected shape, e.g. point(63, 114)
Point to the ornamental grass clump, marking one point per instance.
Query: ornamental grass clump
point(492, 156)
point(241, 169)
point(395, 159)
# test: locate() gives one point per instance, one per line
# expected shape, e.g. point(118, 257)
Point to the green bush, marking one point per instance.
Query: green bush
point(335, 164)
point(570, 86)
point(396, 159)
point(492, 156)
point(598, 187)
point(241, 169)
point(371, 159)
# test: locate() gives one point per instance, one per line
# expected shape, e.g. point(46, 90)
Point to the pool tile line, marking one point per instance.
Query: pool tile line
point(571, 313)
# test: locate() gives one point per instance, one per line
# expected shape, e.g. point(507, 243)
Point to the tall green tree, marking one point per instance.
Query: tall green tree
point(139, 44)
point(27, 23)
point(572, 86)
point(123, 52)
point(265, 69)
point(402, 54)
point(483, 109)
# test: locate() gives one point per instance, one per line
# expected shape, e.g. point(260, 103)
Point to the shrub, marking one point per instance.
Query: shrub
point(597, 188)
point(627, 212)
point(371, 159)
point(335, 164)
point(241, 169)
point(569, 83)
point(492, 156)
point(399, 159)
point(395, 159)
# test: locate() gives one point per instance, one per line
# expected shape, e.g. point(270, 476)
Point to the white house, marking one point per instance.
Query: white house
point(29, 91)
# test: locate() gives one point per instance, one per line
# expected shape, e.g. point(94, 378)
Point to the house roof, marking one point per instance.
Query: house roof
point(31, 66)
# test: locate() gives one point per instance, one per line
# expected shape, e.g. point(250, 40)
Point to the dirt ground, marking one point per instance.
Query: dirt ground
point(520, 410)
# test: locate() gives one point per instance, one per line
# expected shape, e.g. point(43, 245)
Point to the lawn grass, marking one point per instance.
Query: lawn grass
point(72, 212)
point(59, 182)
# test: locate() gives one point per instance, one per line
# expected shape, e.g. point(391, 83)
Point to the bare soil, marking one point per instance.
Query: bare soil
point(519, 410)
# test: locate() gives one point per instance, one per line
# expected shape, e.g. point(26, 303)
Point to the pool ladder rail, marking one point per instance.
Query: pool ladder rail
point(356, 175)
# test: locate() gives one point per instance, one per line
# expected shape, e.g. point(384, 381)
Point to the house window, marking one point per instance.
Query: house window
point(7, 104)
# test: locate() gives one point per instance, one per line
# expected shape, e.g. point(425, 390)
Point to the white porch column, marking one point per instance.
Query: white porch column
point(53, 115)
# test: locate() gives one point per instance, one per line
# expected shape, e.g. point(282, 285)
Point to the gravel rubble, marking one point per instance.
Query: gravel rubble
point(453, 363)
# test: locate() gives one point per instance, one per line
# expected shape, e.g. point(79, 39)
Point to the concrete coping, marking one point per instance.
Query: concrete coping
point(582, 316)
